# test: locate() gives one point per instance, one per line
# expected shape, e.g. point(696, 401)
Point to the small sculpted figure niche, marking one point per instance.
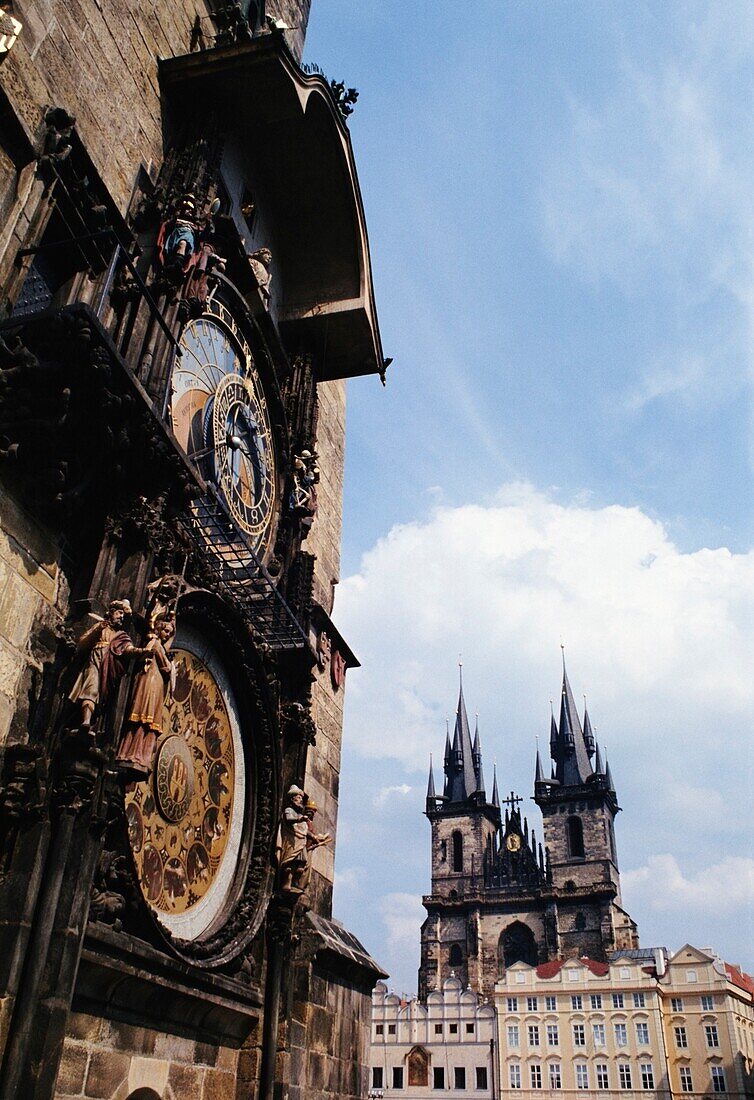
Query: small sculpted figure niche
point(296, 839)
point(105, 650)
point(153, 681)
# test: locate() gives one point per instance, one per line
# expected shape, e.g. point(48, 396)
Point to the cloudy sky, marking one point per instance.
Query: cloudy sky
point(561, 214)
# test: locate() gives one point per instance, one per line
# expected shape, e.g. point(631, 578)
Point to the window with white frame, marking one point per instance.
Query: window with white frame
point(647, 1076)
point(438, 1077)
point(512, 1004)
point(617, 1000)
point(576, 1001)
point(535, 1076)
point(624, 1075)
point(718, 1079)
point(438, 1029)
point(595, 1000)
point(513, 1038)
point(514, 1075)
point(391, 1029)
point(621, 1035)
point(603, 1078)
point(639, 1000)
point(532, 1004)
point(708, 1003)
point(676, 1003)
point(598, 1035)
point(582, 1075)
point(642, 1034)
point(710, 1034)
point(380, 1029)
point(481, 1077)
point(459, 1077)
point(691, 976)
point(453, 1029)
point(520, 977)
point(681, 1038)
point(533, 1034)
point(469, 1029)
point(551, 1004)
point(553, 1038)
point(687, 1083)
point(555, 1076)
point(579, 1036)
point(397, 1077)
point(574, 975)
point(377, 1077)
point(625, 973)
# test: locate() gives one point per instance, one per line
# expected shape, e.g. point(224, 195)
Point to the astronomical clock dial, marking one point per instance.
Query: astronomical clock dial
point(513, 842)
point(220, 418)
point(185, 821)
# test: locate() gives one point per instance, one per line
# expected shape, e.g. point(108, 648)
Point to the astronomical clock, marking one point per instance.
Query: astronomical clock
point(221, 418)
point(186, 821)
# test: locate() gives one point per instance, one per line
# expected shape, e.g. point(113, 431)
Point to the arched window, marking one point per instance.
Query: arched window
point(455, 956)
point(457, 851)
point(516, 944)
point(575, 837)
point(418, 1068)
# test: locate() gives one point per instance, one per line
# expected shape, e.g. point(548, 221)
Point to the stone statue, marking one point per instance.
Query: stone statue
point(260, 263)
point(303, 496)
point(150, 688)
point(295, 840)
point(184, 246)
point(105, 648)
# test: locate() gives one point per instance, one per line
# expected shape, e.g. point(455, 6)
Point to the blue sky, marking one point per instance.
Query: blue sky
point(559, 200)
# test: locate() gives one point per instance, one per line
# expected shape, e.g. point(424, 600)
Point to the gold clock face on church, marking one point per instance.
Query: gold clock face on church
point(220, 417)
point(185, 822)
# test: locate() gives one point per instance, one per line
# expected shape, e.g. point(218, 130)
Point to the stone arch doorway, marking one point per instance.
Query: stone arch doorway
point(517, 944)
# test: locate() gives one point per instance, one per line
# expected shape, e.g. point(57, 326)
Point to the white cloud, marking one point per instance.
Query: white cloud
point(385, 793)
point(661, 640)
point(660, 885)
point(402, 915)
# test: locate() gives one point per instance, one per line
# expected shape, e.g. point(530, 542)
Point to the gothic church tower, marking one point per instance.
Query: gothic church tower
point(500, 896)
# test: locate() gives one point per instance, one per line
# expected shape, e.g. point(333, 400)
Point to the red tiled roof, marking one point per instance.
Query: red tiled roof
point(550, 969)
point(739, 978)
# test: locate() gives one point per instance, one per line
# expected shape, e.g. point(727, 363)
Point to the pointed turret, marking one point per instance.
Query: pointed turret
point(598, 768)
point(477, 753)
point(588, 734)
point(553, 735)
point(431, 795)
point(608, 776)
point(539, 776)
point(495, 795)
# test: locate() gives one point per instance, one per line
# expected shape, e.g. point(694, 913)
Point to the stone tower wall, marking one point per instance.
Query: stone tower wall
point(597, 864)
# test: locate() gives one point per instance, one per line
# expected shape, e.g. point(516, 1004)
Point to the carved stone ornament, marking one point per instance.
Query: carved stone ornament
point(324, 649)
point(297, 838)
point(260, 263)
point(338, 670)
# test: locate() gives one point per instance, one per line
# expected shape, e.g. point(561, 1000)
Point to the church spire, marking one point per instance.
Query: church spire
point(463, 774)
point(571, 754)
point(539, 775)
point(598, 768)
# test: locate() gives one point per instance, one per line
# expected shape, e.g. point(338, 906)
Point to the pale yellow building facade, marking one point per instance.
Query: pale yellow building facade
point(679, 1026)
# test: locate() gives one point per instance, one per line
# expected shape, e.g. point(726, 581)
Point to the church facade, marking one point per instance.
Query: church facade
point(186, 288)
point(501, 896)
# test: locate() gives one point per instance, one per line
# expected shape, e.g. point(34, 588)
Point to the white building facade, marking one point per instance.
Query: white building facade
point(447, 1045)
